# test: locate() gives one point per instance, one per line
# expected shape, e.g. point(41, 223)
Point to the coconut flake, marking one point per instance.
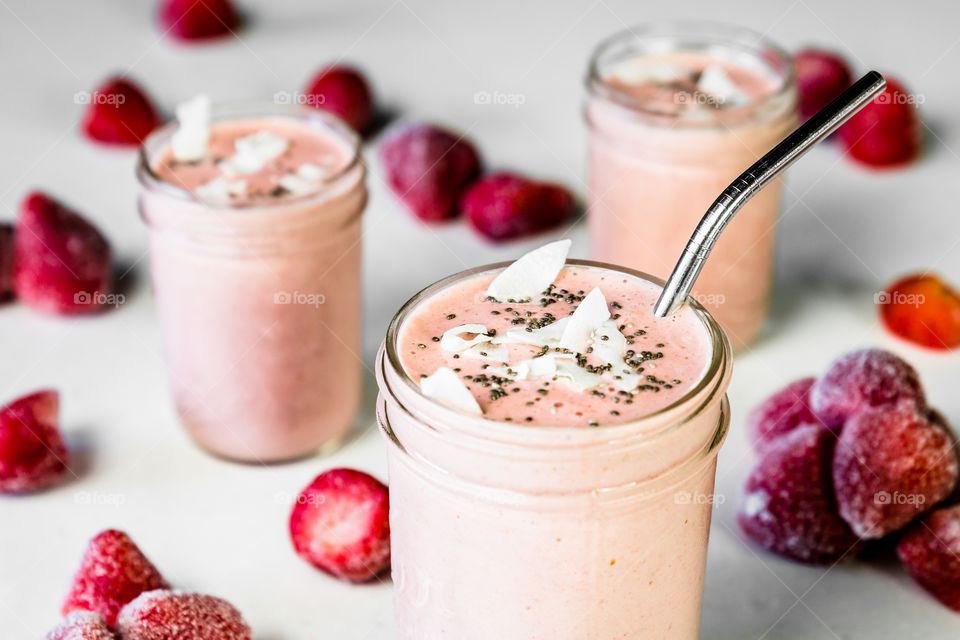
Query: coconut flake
point(451, 340)
point(531, 274)
point(189, 141)
point(529, 369)
point(587, 317)
point(220, 190)
point(718, 84)
point(643, 70)
point(546, 336)
point(304, 181)
point(576, 376)
point(487, 351)
point(253, 152)
point(446, 386)
point(610, 346)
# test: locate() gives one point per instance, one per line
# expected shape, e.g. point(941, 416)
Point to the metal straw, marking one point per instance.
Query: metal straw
point(708, 231)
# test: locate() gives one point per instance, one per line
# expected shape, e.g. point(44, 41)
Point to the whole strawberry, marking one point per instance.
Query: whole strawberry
point(930, 550)
point(113, 571)
point(886, 132)
point(62, 264)
point(82, 625)
point(170, 615)
point(924, 309)
point(504, 206)
point(821, 77)
point(32, 452)
point(428, 168)
point(197, 19)
point(781, 413)
point(344, 92)
point(119, 113)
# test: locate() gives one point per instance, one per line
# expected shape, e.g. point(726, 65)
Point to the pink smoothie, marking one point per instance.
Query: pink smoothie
point(577, 524)
point(662, 148)
point(258, 296)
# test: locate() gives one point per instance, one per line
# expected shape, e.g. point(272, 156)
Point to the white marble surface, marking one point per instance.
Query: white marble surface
point(221, 528)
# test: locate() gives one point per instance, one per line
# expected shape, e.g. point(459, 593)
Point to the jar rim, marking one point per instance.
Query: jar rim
point(227, 111)
point(691, 33)
point(717, 369)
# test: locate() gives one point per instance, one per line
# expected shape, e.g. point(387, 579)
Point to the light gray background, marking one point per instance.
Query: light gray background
point(220, 528)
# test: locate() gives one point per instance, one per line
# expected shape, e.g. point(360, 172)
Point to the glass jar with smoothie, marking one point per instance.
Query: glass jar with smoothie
point(552, 453)
point(254, 231)
point(675, 113)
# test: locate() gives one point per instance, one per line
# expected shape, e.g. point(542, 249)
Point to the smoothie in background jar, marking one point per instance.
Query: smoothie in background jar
point(255, 262)
point(675, 113)
point(551, 471)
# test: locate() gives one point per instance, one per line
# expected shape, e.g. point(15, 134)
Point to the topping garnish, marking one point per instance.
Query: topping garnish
point(304, 181)
point(220, 190)
point(531, 274)
point(451, 340)
point(189, 141)
point(587, 318)
point(718, 84)
point(640, 71)
point(445, 385)
point(253, 152)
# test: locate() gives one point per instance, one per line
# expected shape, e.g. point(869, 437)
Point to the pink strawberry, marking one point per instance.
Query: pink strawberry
point(32, 453)
point(428, 168)
point(198, 19)
point(6, 261)
point(170, 615)
point(887, 132)
point(62, 264)
point(340, 525)
point(781, 413)
point(788, 505)
point(862, 380)
point(113, 571)
point(82, 625)
point(821, 77)
point(891, 466)
point(930, 550)
point(503, 206)
point(343, 91)
point(120, 113)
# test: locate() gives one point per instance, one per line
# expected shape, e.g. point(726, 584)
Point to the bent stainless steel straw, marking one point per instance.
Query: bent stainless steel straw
point(759, 175)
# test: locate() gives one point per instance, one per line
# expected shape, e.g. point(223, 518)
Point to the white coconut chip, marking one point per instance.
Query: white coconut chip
point(219, 190)
point(587, 317)
point(451, 340)
point(253, 152)
point(446, 386)
point(529, 369)
point(610, 346)
point(531, 274)
point(304, 181)
point(190, 140)
point(546, 336)
point(718, 84)
point(643, 71)
point(576, 376)
point(487, 351)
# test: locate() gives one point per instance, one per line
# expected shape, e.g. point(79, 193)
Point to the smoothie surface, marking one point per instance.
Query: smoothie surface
point(669, 355)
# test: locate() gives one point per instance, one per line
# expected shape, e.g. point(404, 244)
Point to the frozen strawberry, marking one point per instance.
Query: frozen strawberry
point(340, 525)
point(62, 264)
point(198, 19)
point(6, 261)
point(113, 571)
point(32, 453)
point(503, 206)
point(343, 91)
point(923, 309)
point(821, 77)
point(788, 505)
point(428, 168)
point(120, 113)
point(862, 380)
point(170, 615)
point(781, 413)
point(82, 625)
point(887, 131)
point(891, 466)
point(930, 550)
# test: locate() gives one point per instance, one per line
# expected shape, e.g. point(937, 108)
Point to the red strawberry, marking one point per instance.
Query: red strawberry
point(887, 131)
point(781, 413)
point(82, 625)
point(62, 264)
point(343, 91)
point(891, 466)
point(788, 505)
point(198, 19)
point(169, 615)
point(340, 525)
point(930, 550)
point(113, 571)
point(924, 310)
point(428, 168)
point(503, 206)
point(120, 113)
point(32, 453)
point(821, 77)
point(6, 261)
point(862, 380)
